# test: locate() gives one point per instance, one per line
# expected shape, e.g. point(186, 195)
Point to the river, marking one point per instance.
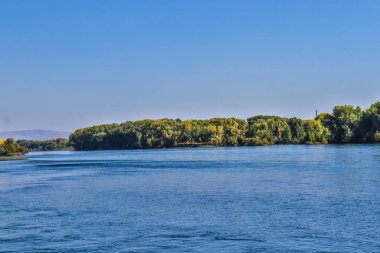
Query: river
point(283, 198)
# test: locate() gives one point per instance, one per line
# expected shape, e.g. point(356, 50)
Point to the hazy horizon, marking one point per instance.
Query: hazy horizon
point(71, 64)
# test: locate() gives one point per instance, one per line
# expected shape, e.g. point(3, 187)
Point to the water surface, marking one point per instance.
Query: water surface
point(246, 199)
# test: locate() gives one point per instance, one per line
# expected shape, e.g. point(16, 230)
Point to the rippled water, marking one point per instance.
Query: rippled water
point(248, 199)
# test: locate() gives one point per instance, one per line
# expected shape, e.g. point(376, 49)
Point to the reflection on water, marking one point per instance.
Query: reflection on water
point(281, 198)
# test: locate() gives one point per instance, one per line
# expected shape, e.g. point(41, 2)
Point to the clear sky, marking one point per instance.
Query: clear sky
point(69, 64)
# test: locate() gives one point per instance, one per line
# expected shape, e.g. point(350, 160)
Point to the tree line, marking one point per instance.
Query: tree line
point(346, 124)
point(45, 145)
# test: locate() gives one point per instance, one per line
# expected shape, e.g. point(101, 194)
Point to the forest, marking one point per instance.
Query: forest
point(345, 124)
point(45, 145)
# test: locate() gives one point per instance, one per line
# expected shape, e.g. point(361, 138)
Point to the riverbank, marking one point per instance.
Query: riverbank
point(4, 159)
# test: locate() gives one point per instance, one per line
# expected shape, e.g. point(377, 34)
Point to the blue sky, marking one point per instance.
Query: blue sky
point(69, 64)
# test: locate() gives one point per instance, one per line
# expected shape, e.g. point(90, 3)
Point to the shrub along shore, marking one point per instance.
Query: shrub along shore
point(11, 148)
point(346, 124)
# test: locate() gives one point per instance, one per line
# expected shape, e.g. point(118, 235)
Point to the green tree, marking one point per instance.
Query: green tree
point(297, 130)
point(315, 132)
point(10, 148)
point(369, 124)
point(260, 133)
point(344, 122)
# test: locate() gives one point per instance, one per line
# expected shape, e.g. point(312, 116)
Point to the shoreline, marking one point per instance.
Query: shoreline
point(211, 147)
point(6, 159)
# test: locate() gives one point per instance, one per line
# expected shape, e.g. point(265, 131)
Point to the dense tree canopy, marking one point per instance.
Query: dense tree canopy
point(10, 148)
point(46, 145)
point(369, 125)
point(315, 132)
point(344, 121)
point(346, 124)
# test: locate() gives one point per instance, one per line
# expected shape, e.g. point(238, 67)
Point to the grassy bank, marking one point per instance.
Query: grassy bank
point(3, 159)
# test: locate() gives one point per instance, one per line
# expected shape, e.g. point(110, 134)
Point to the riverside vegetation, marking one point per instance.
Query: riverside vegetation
point(346, 124)
point(46, 145)
point(11, 148)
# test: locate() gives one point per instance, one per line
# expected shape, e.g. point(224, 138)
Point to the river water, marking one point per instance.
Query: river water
point(285, 198)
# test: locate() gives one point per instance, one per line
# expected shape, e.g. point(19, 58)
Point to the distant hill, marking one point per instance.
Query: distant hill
point(37, 134)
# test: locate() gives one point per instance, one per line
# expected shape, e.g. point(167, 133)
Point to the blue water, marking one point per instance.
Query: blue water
point(247, 199)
